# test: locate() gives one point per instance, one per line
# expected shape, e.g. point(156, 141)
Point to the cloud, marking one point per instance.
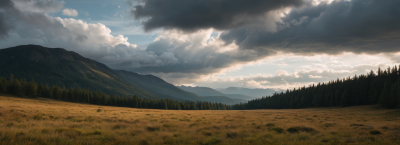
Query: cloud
point(5, 26)
point(86, 13)
point(197, 53)
point(70, 12)
point(360, 26)
point(304, 27)
point(194, 15)
point(90, 40)
point(43, 6)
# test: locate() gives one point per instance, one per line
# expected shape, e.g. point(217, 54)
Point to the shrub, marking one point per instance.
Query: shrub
point(184, 119)
point(231, 135)
point(314, 116)
point(384, 127)
point(153, 128)
point(18, 134)
point(270, 125)
point(298, 129)
point(37, 117)
point(10, 124)
point(211, 141)
point(303, 137)
point(168, 125)
point(371, 139)
point(277, 129)
point(63, 129)
point(375, 132)
point(118, 126)
point(325, 140)
point(356, 124)
point(328, 124)
point(307, 129)
point(97, 132)
point(207, 133)
point(98, 110)
point(45, 130)
point(293, 129)
point(143, 142)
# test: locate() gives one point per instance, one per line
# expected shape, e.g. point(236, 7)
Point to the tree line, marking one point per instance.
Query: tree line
point(21, 87)
point(381, 88)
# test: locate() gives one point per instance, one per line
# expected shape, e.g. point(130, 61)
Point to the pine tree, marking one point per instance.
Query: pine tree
point(385, 95)
point(17, 88)
point(344, 98)
point(2, 86)
point(31, 88)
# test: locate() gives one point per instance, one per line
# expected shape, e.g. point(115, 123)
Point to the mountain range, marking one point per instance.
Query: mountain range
point(231, 92)
point(257, 93)
point(53, 66)
point(205, 92)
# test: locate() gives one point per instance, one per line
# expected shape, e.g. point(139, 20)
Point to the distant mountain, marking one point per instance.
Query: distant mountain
point(156, 86)
point(202, 91)
point(212, 95)
point(239, 96)
point(223, 99)
point(258, 93)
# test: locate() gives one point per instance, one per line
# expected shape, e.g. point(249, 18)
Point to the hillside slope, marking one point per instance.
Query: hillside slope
point(201, 91)
point(155, 85)
point(65, 68)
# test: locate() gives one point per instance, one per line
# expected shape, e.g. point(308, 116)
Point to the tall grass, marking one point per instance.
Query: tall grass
point(44, 121)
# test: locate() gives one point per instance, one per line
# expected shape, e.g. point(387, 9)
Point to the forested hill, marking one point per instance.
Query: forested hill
point(156, 85)
point(57, 66)
point(381, 88)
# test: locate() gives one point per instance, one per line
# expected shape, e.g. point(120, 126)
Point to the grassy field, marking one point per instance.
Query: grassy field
point(44, 121)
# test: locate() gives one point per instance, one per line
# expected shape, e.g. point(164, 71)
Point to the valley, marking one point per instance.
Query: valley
point(47, 121)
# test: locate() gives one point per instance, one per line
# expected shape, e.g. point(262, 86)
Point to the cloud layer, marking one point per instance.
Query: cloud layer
point(205, 14)
point(360, 26)
point(199, 40)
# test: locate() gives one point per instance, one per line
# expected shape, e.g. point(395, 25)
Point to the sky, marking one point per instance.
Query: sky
point(216, 43)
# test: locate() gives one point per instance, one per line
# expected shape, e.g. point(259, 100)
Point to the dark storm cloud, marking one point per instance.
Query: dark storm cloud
point(360, 26)
point(11, 15)
point(5, 25)
point(191, 15)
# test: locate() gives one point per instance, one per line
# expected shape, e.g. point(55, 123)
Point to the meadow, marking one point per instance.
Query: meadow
point(46, 121)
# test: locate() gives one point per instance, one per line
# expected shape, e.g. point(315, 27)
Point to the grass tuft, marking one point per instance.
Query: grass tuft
point(270, 125)
point(374, 132)
point(231, 134)
point(210, 141)
point(153, 128)
point(297, 129)
point(277, 129)
point(37, 117)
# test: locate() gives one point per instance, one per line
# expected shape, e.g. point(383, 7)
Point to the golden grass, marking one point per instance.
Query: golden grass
point(45, 121)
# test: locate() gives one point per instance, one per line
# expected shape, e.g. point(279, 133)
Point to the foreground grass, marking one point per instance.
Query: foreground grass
point(44, 121)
